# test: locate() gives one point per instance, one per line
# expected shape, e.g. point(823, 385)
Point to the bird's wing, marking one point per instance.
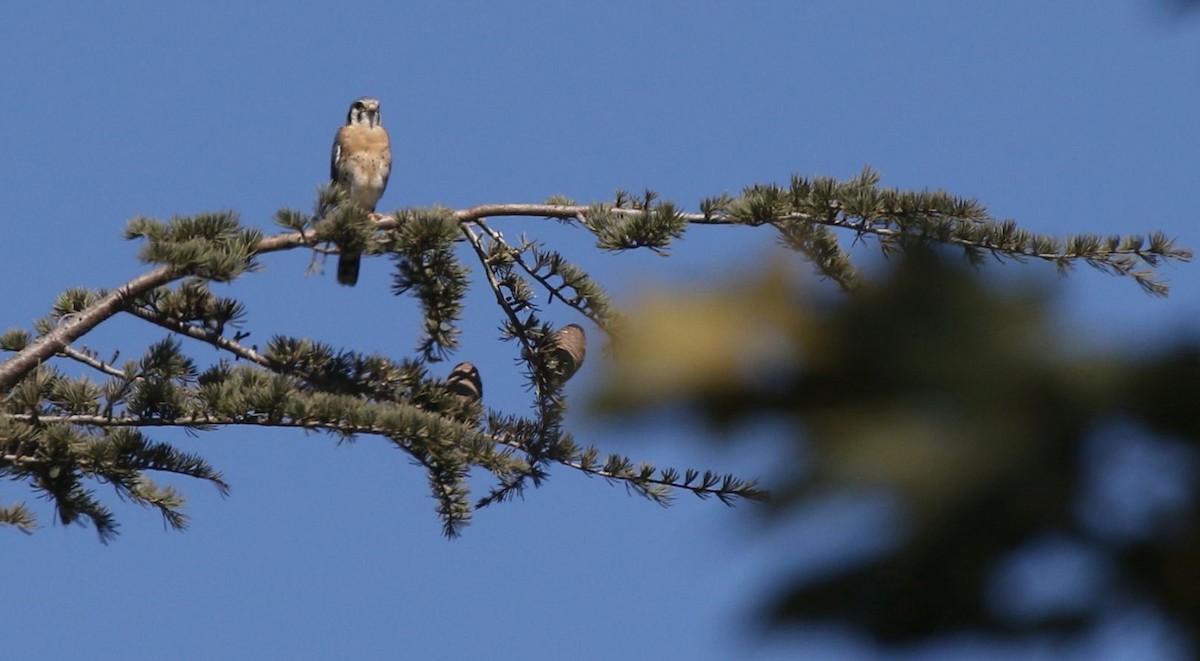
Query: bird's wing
point(386, 165)
point(336, 157)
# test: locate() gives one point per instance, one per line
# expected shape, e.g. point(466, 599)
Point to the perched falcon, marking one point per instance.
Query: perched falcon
point(464, 381)
point(570, 346)
point(361, 163)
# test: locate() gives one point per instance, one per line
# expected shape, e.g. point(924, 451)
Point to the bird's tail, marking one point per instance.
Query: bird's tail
point(347, 273)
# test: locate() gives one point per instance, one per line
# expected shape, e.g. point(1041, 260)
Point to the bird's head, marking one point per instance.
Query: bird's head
point(364, 111)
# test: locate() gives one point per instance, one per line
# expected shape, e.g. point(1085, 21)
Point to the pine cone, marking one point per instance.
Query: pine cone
point(570, 348)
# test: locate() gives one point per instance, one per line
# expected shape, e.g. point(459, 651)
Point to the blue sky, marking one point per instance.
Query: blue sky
point(1065, 116)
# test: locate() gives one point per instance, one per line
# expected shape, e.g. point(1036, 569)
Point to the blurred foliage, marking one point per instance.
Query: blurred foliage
point(960, 400)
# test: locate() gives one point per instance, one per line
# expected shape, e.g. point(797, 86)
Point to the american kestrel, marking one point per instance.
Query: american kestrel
point(361, 163)
point(570, 347)
point(465, 382)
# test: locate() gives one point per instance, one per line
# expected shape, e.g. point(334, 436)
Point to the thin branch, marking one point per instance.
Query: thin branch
point(203, 334)
point(205, 422)
point(555, 292)
point(750, 494)
point(494, 285)
point(842, 222)
point(20, 460)
point(548, 410)
point(22, 362)
point(79, 324)
point(94, 363)
point(41, 349)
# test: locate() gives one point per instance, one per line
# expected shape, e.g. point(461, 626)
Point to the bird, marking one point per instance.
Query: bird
point(361, 163)
point(465, 382)
point(570, 345)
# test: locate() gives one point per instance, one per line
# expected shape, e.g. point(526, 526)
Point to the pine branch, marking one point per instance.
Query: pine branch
point(884, 222)
point(15, 368)
point(537, 345)
point(305, 384)
point(204, 423)
point(581, 304)
point(643, 480)
point(19, 517)
point(619, 469)
point(528, 346)
point(90, 361)
point(546, 433)
point(206, 335)
point(426, 266)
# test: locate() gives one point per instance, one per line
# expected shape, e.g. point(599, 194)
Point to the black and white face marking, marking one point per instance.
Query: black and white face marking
point(364, 111)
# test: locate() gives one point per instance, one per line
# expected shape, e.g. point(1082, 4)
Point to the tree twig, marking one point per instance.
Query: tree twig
point(553, 291)
point(41, 349)
point(38, 351)
point(207, 422)
point(98, 365)
point(204, 335)
point(494, 285)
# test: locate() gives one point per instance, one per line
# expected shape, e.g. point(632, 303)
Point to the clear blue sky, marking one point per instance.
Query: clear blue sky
point(1073, 116)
